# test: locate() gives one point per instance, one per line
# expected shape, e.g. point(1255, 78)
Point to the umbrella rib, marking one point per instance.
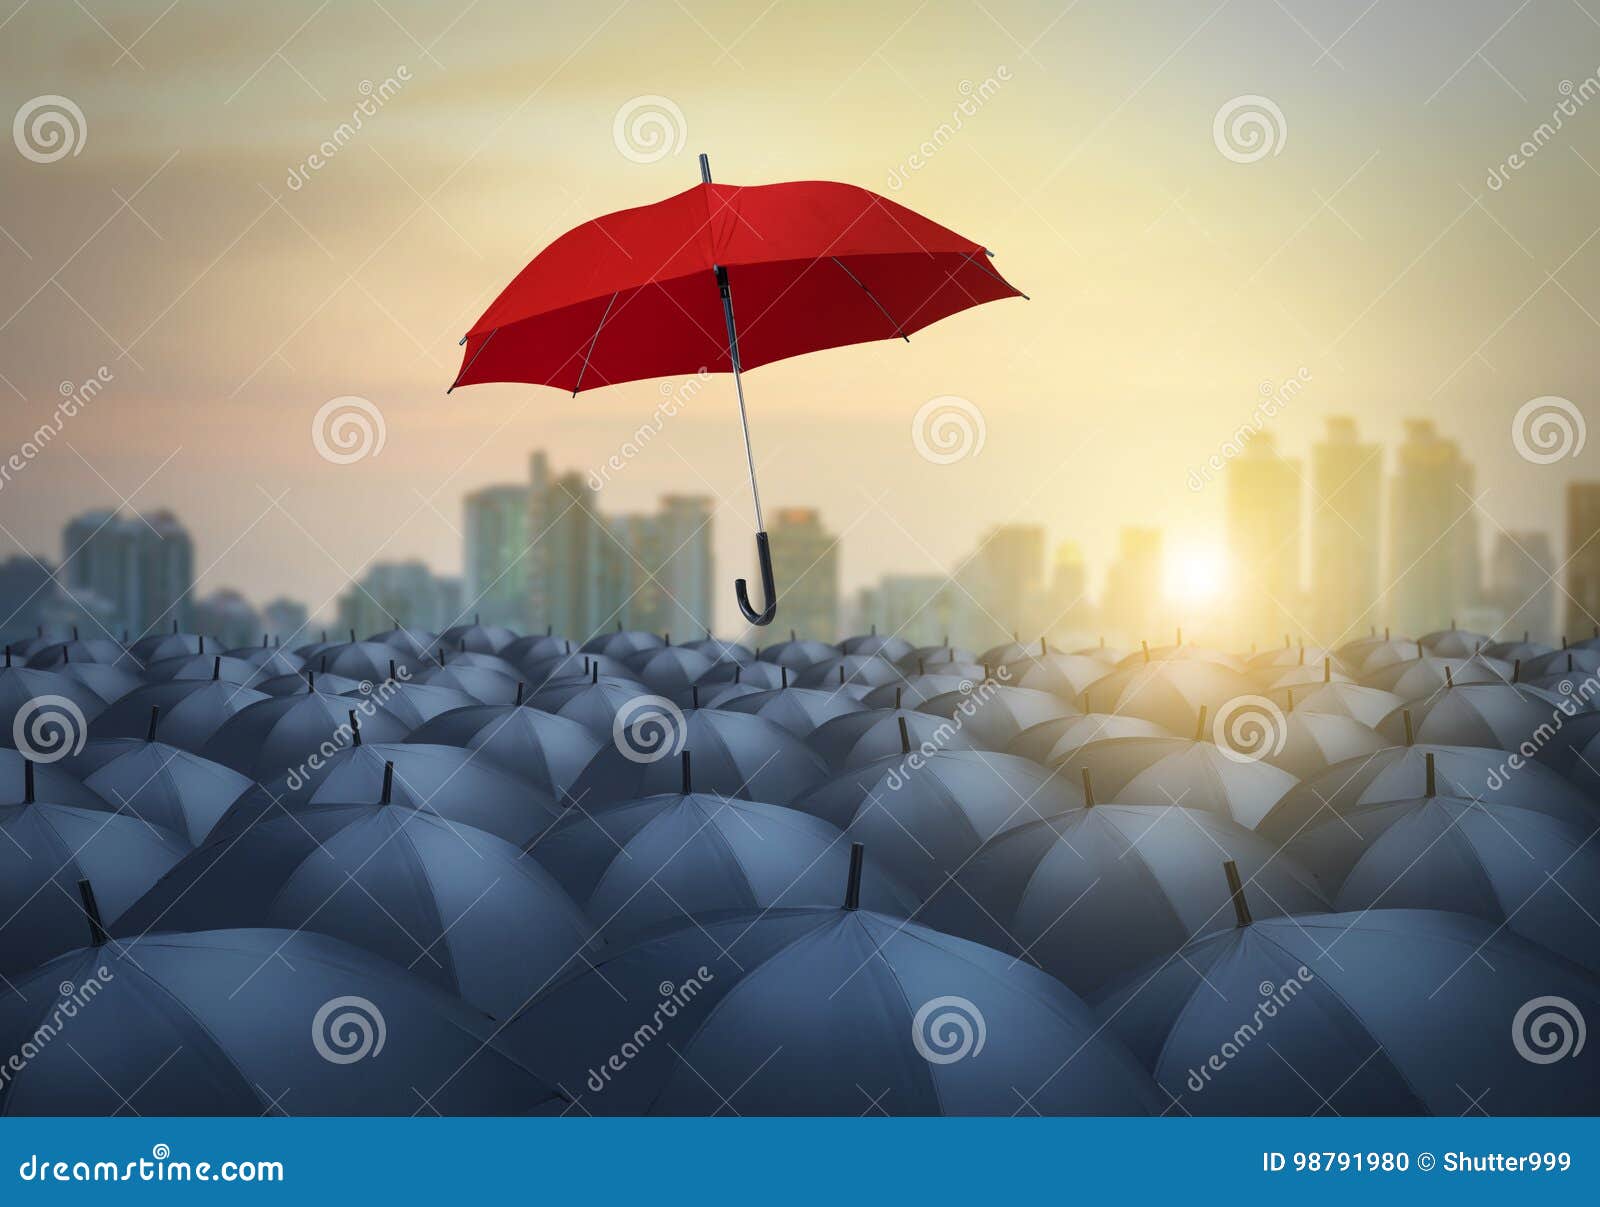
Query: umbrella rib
point(474, 359)
point(882, 309)
point(595, 339)
point(986, 270)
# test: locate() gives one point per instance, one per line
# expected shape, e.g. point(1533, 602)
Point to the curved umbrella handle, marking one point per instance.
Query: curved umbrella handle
point(768, 586)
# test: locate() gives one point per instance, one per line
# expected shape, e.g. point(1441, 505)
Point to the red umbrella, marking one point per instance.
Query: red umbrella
point(649, 292)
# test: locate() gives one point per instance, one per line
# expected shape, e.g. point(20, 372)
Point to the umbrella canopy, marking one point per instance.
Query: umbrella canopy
point(858, 738)
point(1501, 716)
point(1315, 741)
point(1196, 773)
point(1368, 705)
point(534, 646)
point(1392, 1012)
point(1454, 642)
point(918, 689)
point(191, 712)
point(269, 660)
point(555, 667)
point(242, 1022)
point(33, 697)
point(1398, 773)
point(306, 680)
point(47, 849)
point(1051, 742)
point(1374, 653)
point(1292, 656)
point(1518, 868)
point(933, 655)
point(364, 661)
point(760, 675)
point(287, 742)
point(593, 701)
point(671, 668)
point(1180, 652)
point(859, 670)
point(735, 754)
point(110, 683)
point(412, 642)
point(886, 646)
point(51, 782)
point(166, 785)
point(206, 666)
point(1523, 650)
point(623, 642)
point(720, 651)
point(924, 815)
point(1302, 677)
point(798, 653)
point(1171, 693)
point(100, 650)
point(155, 646)
point(1066, 675)
point(668, 859)
point(1093, 894)
point(455, 905)
point(711, 695)
point(411, 705)
point(800, 710)
point(1417, 678)
point(480, 683)
point(475, 637)
point(1110, 654)
point(540, 747)
point(1578, 661)
point(827, 1012)
point(994, 715)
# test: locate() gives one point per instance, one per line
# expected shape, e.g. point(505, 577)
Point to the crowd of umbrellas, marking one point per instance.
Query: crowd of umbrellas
point(478, 872)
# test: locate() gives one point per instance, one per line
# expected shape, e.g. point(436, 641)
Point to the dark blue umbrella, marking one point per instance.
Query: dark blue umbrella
point(365, 661)
point(478, 661)
point(1093, 894)
point(711, 695)
point(1453, 642)
point(800, 710)
point(155, 646)
point(1391, 1012)
point(669, 669)
point(1013, 651)
point(720, 651)
point(251, 1022)
point(1368, 705)
point(52, 782)
point(288, 742)
point(1575, 661)
point(98, 650)
point(192, 710)
point(206, 666)
point(993, 714)
point(1171, 693)
point(825, 1012)
point(46, 848)
point(1053, 742)
point(931, 656)
point(483, 685)
point(411, 705)
point(1314, 741)
point(413, 643)
point(535, 646)
point(269, 661)
point(622, 643)
point(916, 690)
point(760, 675)
point(306, 680)
point(858, 738)
point(926, 814)
point(1419, 678)
point(455, 905)
point(862, 671)
point(541, 671)
point(478, 638)
point(667, 859)
point(110, 683)
point(1524, 650)
point(798, 653)
point(541, 747)
point(166, 785)
point(735, 755)
point(592, 701)
point(32, 697)
point(1501, 716)
point(887, 646)
point(1064, 675)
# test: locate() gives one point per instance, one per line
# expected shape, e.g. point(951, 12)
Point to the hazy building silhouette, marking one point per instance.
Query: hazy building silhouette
point(494, 577)
point(1004, 582)
point(1520, 587)
point(1263, 526)
point(1346, 532)
point(925, 609)
point(403, 593)
point(1434, 572)
point(576, 572)
point(27, 585)
point(229, 617)
point(284, 620)
point(684, 567)
point(805, 561)
point(1068, 611)
point(1583, 560)
point(143, 566)
point(1131, 606)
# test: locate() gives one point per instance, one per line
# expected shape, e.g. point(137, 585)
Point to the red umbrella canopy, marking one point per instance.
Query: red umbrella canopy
point(809, 264)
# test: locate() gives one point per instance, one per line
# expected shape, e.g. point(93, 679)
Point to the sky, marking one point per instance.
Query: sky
point(225, 287)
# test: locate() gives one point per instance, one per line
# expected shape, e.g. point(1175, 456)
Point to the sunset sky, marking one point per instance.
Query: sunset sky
point(1168, 280)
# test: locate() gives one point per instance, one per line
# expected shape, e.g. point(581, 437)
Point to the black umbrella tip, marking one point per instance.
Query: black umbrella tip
point(1411, 733)
point(388, 784)
point(1088, 790)
point(852, 888)
point(28, 794)
point(1431, 782)
point(905, 736)
point(1241, 907)
point(155, 715)
point(688, 775)
point(91, 910)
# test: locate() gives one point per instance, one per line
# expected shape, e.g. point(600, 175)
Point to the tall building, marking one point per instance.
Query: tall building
point(1520, 586)
point(494, 576)
point(925, 609)
point(684, 568)
point(1434, 571)
point(1004, 581)
point(1133, 607)
point(805, 561)
point(143, 566)
point(27, 585)
point(1069, 611)
point(229, 617)
point(1583, 559)
point(406, 593)
point(285, 620)
point(1263, 526)
point(576, 571)
point(1346, 532)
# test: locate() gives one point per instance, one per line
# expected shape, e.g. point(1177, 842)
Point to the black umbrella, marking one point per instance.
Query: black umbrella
point(34, 697)
point(800, 710)
point(761, 675)
point(482, 684)
point(52, 782)
point(533, 647)
point(857, 738)
point(1093, 894)
point(669, 669)
point(540, 671)
point(1171, 693)
point(886, 646)
point(798, 652)
point(191, 711)
point(1454, 642)
point(413, 643)
point(1523, 650)
point(453, 904)
point(411, 705)
point(931, 656)
point(99, 650)
point(667, 859)
point(735, 755)
point(155, 646)
point(1392, 1012)
point(365, 661)
point(593, 701)
point(720, 651)
point(622, 643)
point(1576, 661)
point(1418, 678)
point(269, 660)
point(249, 1022)
point(993, 714)
point(206, 666)
point(917, 690)
point(1065, 675)
point(1501, 716)
point(825, 1012)
point(711, 695)
point(857, 670)
point(1368, 705)
point(1014, 651)
point(1052, 742)
point(288, 742)
point(1314, 741)
point(478, 638)
point(543, 748)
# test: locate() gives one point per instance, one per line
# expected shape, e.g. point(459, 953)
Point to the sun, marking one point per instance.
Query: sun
point(1195, 573)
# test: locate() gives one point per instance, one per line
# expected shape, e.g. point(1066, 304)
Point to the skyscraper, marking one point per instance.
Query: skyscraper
point(1004, 580)
point(495, 556)
point(1346, 528)
point(1520, 586)
point(683, 567)
point(1263, 524)
point(1069, 610)
point(1583, 559)
point(576, 566)
point(404, 593)
point(1434, 569)
point(805, 561)
point(1132, 606)
point(229, 617)
point(143, 566)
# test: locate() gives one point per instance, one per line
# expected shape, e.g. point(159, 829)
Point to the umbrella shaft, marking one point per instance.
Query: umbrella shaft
point(738, 389)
